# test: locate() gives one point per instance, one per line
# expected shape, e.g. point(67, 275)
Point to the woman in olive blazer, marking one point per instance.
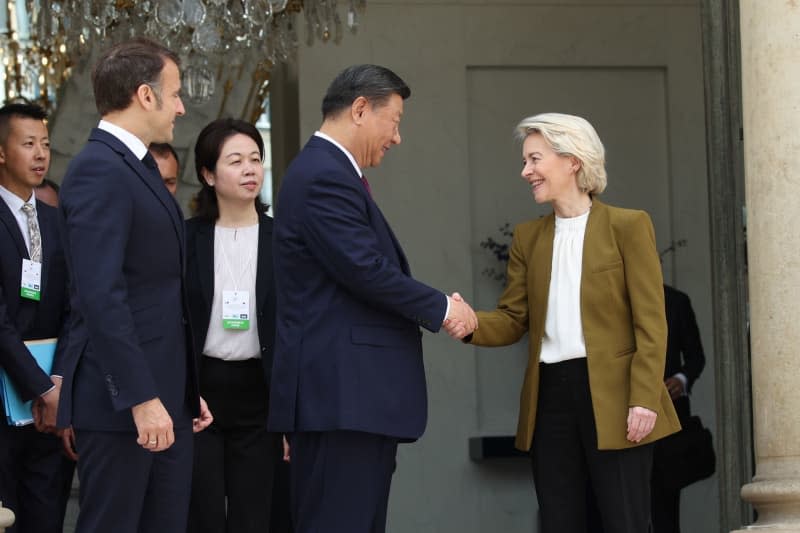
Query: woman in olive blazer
point(585, 283)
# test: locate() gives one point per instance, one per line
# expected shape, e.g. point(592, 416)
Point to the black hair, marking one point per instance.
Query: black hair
point(375, 83)
point(9, 111)
point(164, 150)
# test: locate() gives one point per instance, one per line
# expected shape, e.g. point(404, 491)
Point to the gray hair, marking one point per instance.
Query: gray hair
point(570, 135)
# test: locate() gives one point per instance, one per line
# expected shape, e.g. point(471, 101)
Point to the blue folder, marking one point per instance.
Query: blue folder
point(19, 413)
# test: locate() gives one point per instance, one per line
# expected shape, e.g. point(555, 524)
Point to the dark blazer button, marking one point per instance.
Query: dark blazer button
point(261, 313)
point(263, 348)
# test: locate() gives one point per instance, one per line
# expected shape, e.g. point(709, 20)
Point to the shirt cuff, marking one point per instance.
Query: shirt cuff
point(447, 309)
point(683, 379)
point(48, 391)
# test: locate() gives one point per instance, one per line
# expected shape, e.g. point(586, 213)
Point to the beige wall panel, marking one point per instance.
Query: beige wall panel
point(475, 68)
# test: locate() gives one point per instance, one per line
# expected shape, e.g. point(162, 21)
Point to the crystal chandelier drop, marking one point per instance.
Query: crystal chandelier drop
point(41, 41)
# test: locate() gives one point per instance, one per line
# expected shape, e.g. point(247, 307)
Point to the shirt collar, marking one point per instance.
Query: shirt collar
point(342, 148)
point(13, 201)
point(131, 141)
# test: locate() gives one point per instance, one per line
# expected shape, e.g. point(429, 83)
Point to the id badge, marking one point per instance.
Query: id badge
point(236, 310)
point(31, 283)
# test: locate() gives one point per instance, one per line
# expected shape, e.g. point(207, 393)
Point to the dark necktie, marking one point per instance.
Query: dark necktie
point(366, 185)
point(150, 163)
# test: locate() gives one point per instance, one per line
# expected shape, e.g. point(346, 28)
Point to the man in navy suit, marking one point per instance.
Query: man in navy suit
point(348, 379)
point(30, 462)
point(130, 386)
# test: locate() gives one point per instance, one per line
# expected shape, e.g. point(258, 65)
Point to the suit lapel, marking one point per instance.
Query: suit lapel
point(264, 268)
point(7, 218)
point(342, 158)
point(399, 249)
point(149, 178)
point(157, 187)
point(541, 255)
point(593, 241)
point(205, 258)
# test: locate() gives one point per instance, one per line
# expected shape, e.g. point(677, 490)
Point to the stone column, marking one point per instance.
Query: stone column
point(771, 102)
point(6, 518)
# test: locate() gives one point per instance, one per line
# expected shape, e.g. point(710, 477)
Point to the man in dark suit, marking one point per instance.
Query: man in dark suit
point(30, 462)
point(168, 165)
point(685, 361)
point(348, 379)
point(130, 386)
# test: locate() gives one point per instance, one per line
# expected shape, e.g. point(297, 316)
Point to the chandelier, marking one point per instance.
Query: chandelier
point(41, 41)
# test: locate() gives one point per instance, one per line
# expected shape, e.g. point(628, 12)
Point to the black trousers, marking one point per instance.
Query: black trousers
point(567, 463)
point(235, 457)
point(340, 481)
point(31, 478)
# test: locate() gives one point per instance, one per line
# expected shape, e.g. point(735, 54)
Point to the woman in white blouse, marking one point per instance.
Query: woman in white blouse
point(585, 283)
point(232, 308)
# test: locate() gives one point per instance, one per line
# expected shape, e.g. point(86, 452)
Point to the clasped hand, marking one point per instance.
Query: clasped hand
point(461, 319)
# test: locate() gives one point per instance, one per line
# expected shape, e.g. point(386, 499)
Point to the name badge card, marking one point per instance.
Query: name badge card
point(236, 310)
point(31, 285)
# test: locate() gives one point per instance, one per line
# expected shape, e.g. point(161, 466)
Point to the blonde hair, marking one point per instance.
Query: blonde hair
point(570, 135)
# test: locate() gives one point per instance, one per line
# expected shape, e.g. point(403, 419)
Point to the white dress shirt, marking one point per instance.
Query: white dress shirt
point(15, 204)
point(127, 138)
point(342, 148)
point(563, 327)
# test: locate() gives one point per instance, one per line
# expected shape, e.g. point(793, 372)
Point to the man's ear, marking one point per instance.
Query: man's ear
point(145, 96)
point(2, 156)
point(358, 108)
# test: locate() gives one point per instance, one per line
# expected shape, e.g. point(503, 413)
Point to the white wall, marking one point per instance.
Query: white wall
point(634, 68)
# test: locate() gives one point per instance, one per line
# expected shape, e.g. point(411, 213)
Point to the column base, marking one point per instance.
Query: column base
point(777, 502)
point(776, 529)
point(6, 517)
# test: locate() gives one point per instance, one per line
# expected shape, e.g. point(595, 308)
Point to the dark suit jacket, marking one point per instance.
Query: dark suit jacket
point(124, 242)
point(684, 347)
point(348, 351)
point(23, 319)
point(622, 313)
point(200, 285)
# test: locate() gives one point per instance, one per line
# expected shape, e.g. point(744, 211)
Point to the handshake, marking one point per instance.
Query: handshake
point(461, 319)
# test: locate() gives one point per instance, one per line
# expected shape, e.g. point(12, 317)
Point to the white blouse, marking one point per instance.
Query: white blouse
point(235, 264)
point(563, 329)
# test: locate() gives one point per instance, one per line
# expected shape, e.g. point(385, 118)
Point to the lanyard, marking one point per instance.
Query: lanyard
point(227, 263)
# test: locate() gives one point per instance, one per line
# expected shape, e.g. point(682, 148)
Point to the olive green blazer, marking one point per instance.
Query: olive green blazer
point(622, 311)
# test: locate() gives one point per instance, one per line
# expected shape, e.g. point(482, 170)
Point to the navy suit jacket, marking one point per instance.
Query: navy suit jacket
point(200, 285)
point(348, 350)
point(23, 319)
point(684, 347)
point(129, 341)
